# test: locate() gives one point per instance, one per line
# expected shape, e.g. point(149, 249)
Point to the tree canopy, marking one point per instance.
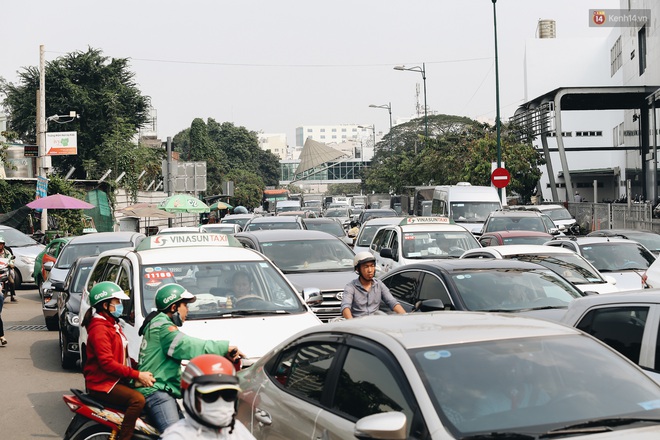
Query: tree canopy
point(101, 90)
point(460, 150)
point(228, 149)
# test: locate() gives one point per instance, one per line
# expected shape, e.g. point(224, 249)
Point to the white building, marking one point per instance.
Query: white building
point(275, 143)
point(603, 146)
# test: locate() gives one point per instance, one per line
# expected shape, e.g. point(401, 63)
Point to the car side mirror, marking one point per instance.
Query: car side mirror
point(554, 231)
point(386, 253)
point(388, 425)
point(476, 232)
point(48, 266)
point(429, 305)
point(312, 296)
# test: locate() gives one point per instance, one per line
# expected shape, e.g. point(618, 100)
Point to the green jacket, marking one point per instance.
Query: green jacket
point(163, 348)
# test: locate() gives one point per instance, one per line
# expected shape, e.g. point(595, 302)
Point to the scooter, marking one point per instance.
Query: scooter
point(94, 420)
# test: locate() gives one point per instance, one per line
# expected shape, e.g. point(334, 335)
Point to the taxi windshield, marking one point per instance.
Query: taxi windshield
point(437, 244)
point(309, 255)
point(219, 292)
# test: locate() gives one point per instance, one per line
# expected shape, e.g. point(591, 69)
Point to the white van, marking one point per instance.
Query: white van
point(287, 205)
point(466, 205)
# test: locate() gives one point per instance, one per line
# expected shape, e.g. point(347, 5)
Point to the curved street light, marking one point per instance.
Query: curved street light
point(421, 70)
point(388, 107)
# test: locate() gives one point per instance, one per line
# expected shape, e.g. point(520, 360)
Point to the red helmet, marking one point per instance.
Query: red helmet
point(210, 372)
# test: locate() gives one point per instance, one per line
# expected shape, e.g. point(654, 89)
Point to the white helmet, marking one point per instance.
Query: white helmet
point(362, 257)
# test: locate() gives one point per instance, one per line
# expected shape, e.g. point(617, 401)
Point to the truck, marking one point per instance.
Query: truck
point(377, 201)
point(401, 204)
point(359, 201)
point(423, 200)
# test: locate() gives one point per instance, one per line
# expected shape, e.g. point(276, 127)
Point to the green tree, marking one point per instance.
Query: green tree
point(100, 89)
point(338, 189)
point(248, 189)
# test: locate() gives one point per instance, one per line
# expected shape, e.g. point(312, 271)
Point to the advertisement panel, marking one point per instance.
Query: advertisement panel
point(61, 143)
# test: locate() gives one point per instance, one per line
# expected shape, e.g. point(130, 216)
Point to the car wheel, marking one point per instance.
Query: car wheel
point(68, 362)
point(18, 279)
point(52, 324)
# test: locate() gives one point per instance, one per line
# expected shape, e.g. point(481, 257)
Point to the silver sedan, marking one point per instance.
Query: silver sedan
point(447, 375)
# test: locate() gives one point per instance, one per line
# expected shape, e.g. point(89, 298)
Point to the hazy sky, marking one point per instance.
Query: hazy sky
point(273, 65)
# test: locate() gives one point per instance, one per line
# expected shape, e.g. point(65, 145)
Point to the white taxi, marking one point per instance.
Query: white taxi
point(205, 264)
point(419, 238)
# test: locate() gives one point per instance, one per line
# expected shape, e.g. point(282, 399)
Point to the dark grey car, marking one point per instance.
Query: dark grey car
point(308, 259)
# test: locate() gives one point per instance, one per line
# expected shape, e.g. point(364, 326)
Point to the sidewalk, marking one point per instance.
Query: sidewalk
point(25, 312)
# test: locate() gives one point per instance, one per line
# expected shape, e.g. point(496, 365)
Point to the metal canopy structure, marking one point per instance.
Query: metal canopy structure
point(543, 115)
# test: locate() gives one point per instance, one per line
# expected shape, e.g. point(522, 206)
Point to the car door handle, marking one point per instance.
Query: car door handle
point(262, 416)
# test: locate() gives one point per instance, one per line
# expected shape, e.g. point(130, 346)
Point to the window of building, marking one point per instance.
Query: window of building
point(322, 136)
point(334, 130)
point(616, 59)
point(322, 130)
point(309, 130)
point(343, 130)
point(641, 48)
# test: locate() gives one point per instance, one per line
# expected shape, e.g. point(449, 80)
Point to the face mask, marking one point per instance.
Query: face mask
point(176, 319)
point(218, 413)
point(119, 309)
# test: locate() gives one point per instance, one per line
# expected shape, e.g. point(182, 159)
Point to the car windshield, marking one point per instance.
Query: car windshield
point(531, 386)
point(219, 229)
point(333, 228)
point(511, 290)
point(212, 284)
point(73, 251)
point(558, 214)
point(472, 212)
point(309, 255)
point(237, 221)
point(15, 238)
point(516, 223)
point(617, 256)
point(526, 240)
point(571, 266)
point(437, 244)
point(336, 213)
point(650, 240)
point(269, 225)
point(80, 277)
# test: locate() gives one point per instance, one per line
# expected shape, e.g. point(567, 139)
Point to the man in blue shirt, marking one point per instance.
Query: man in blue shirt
point(363, 296)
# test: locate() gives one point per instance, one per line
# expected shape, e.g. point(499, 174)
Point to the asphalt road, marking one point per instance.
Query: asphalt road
point(33, 381)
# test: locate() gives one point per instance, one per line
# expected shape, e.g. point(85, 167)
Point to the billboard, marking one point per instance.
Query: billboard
point(61, 143)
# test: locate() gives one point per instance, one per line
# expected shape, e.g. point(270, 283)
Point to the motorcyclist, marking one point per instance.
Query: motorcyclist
point(163, 348)
point(363, 296)
point(107, 370)
point(8, 285)
point(210, 397)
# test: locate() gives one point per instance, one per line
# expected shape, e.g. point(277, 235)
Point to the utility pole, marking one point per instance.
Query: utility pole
point(43, 161)
point(169, 174)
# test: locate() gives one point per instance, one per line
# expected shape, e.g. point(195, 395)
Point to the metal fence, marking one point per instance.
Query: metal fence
point(595, 216)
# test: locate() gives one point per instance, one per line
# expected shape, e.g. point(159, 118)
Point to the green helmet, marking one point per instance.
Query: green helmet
point(171, 293)
point(105, 290)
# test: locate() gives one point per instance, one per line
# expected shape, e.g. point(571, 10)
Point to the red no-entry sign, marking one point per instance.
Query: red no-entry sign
point(500, 177)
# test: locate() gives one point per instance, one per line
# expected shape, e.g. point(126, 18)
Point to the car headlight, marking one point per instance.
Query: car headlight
point(73, 319)
point(27, 260)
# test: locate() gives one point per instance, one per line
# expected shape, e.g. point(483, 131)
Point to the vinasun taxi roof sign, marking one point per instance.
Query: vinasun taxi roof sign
point(187, 240)
point(425, 220)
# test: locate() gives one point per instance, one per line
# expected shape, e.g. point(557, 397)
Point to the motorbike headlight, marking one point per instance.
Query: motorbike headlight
point(73, 319)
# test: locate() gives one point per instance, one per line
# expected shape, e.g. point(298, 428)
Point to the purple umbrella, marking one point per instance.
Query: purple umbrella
point(59, 201)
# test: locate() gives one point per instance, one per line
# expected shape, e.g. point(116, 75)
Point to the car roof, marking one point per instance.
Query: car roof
point(517, 233)
point(275, 219)
point(286, 235)
point(467, 263)
point(430, 227)
point(543, 207)
point(614, 232)
point(629, 296)
point(417, 330)
point(190, 254)
point(238, 216)
point(383, 221)
point(319, 220)
point(106, 237)
point(594, 240)
point(514, 213)
point(528, 249)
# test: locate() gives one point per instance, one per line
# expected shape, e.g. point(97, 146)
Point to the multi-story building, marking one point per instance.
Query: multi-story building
point(275, 143)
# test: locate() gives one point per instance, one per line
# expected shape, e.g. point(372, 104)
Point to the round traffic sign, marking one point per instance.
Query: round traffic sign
point(500, 177)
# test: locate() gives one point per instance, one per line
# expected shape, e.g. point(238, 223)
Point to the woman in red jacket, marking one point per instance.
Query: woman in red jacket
point(107, 369)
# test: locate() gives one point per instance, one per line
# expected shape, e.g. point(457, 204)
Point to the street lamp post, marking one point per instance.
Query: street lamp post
point(373, 131)
point(421, 70)
point(497, 97)
point(388, 107)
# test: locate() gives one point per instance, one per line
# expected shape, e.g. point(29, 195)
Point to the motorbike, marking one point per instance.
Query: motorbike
point(94, 420)
point(6, 264)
